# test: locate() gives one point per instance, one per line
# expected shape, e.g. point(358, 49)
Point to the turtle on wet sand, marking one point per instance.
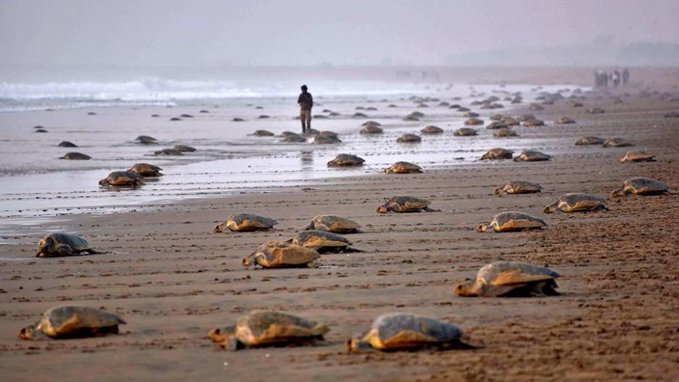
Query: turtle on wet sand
point(504, 132)
point(564, 121)
point(63, 244)
point(72, 322)
point(409, 138)
point(465, 132)
point(636, 156)
point(146, 140)
point(267, 328)
point(510, 279)
point(531, 156)
point(512, 221)
point(325, 140)
point(76, 156)
point(497, 153)
point(122, 179)
point(333, 223)
point(431, 130)
point(245, 223)
point(577, 202)
point(169, 152)
point(473, 121)
point(346, 160)
point(617, 142)
point(402, 204)
point(145, 169)
point(641, 186)
point(281, 254)
point(323, 241)
point(291, 137)
point(402, 167)
point(589, 140)
point(371, 129)
point(518, 187)
point(184, 148)
point(67, 144)
point(404, 331)
point(262, 133)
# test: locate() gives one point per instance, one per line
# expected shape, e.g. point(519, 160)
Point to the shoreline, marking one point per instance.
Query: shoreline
point(172, 279)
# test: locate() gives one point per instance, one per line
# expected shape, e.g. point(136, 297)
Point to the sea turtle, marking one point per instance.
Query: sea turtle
point(511, 121)
point(145, 169)
point(637, 156)
point(346, 160)
point(518, 187)
point(504, 132)
point(512, 221)
point(122, 179)
point(291, 137)
point(184, 148)
point(266, 328)
point(72, 322)
point(76, 156)
point(403, 168)
point(589, 140)
point(617, 142)
point(470, 114)
point(431, 130)
point(404, 331)
point(325, 140)
point(495, 125)
point(641, 186)
point(465, 132)
point(527, 117)
point(596, 110)
point(531, 156)
point(577, 202)
point(496, 117)
point(409, 138)
point(564, 121)
point(329, 134)
point(281, 254)
point(497, 153)
point(262, 133)
point(371, 129)
point(510, 279)
point(245, 223)
point(168, 152)
point(533, 122)
point(405, 204)
point(332, 223)
point(146, 140)
point(67, 144)
point(473, 122)
point(371, 123)
point(63, 244)
point(323, 241)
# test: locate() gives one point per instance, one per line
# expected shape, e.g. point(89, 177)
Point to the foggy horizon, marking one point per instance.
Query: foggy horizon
point(337, 33)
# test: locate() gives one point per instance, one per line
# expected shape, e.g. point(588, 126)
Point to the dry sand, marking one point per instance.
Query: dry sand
point(173, 280)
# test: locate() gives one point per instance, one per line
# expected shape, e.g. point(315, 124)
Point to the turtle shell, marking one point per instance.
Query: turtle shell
point(325, 140)
point(403, 168)
point(266, 328)
point(431, 130)
point(293, 137)
point(403, 331)
point(371, 123)
point(346, 160)
point(497, 153)
point(62, 244)
point(409, 138)
point(404, 204)
point(262, 133)
point(281, 254)
point(322, 241)
point(76, 156)
point(617, 142)
point(518, 187)
point(67, 144)
point(146, 140)
point(532, 123)
point(531, 156)
point(495, 125)
point(506, 278)
point(371, 129)
point(577, 202)
point(510, 121)
point(589, 141)
point(245, 223)
point(465, 132)
point(168, 152)
point(470, 114)
point(513, 221)
point(71, 322)
point(332, 223)
point(122, 179)
point(145, 169)
point(504, 132)
point(564, 121)
point(473, 121)
point(642, 186)
point(637, 156)
point(184, 148)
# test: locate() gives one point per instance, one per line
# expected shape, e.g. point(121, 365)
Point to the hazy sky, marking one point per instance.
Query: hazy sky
point(309, 32)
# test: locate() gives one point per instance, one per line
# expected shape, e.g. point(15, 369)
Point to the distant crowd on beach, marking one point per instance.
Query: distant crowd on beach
point(603, 79)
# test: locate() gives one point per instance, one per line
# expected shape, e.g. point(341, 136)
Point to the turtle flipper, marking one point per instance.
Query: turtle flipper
point(427, 209)
point(233, 344)
point(64, 250)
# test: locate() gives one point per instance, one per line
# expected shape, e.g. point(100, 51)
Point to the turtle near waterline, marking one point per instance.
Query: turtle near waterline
point(122, 179)
point(145, 169)
point(63, 244)
point(403, 167)
point(401, 204)
point(577, 202)
point(512, 221)
point(245, 223)
point(510, 279)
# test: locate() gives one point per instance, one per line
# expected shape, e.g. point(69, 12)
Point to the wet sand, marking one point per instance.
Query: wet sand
point(172, 279)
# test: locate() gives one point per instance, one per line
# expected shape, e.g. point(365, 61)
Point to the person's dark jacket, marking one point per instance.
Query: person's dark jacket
point(305, 101)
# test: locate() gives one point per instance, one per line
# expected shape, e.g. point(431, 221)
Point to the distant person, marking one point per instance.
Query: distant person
point(305, 102)
point(616, 78)
point(625, 77)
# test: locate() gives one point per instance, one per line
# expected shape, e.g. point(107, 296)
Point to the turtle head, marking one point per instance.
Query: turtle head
point(550, 209)
point(225, 337)
point(248, 260)
point(619, 192)
point(482, 228)
point(356, 345)
point(45, 246)
point(464, 289)
point(384, 208)
point(499, 190)
point(218, 228)
point(26, 333)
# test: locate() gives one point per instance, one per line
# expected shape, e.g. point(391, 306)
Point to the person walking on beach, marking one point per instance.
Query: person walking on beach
point(305, 102)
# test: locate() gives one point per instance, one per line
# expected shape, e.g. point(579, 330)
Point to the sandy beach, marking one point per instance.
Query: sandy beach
point(173, 280)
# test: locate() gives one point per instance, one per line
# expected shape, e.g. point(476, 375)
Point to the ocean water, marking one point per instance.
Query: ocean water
point(104, 117)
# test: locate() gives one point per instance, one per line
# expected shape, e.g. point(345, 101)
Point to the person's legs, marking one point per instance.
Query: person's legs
point(308, 119)
point(302, 117)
